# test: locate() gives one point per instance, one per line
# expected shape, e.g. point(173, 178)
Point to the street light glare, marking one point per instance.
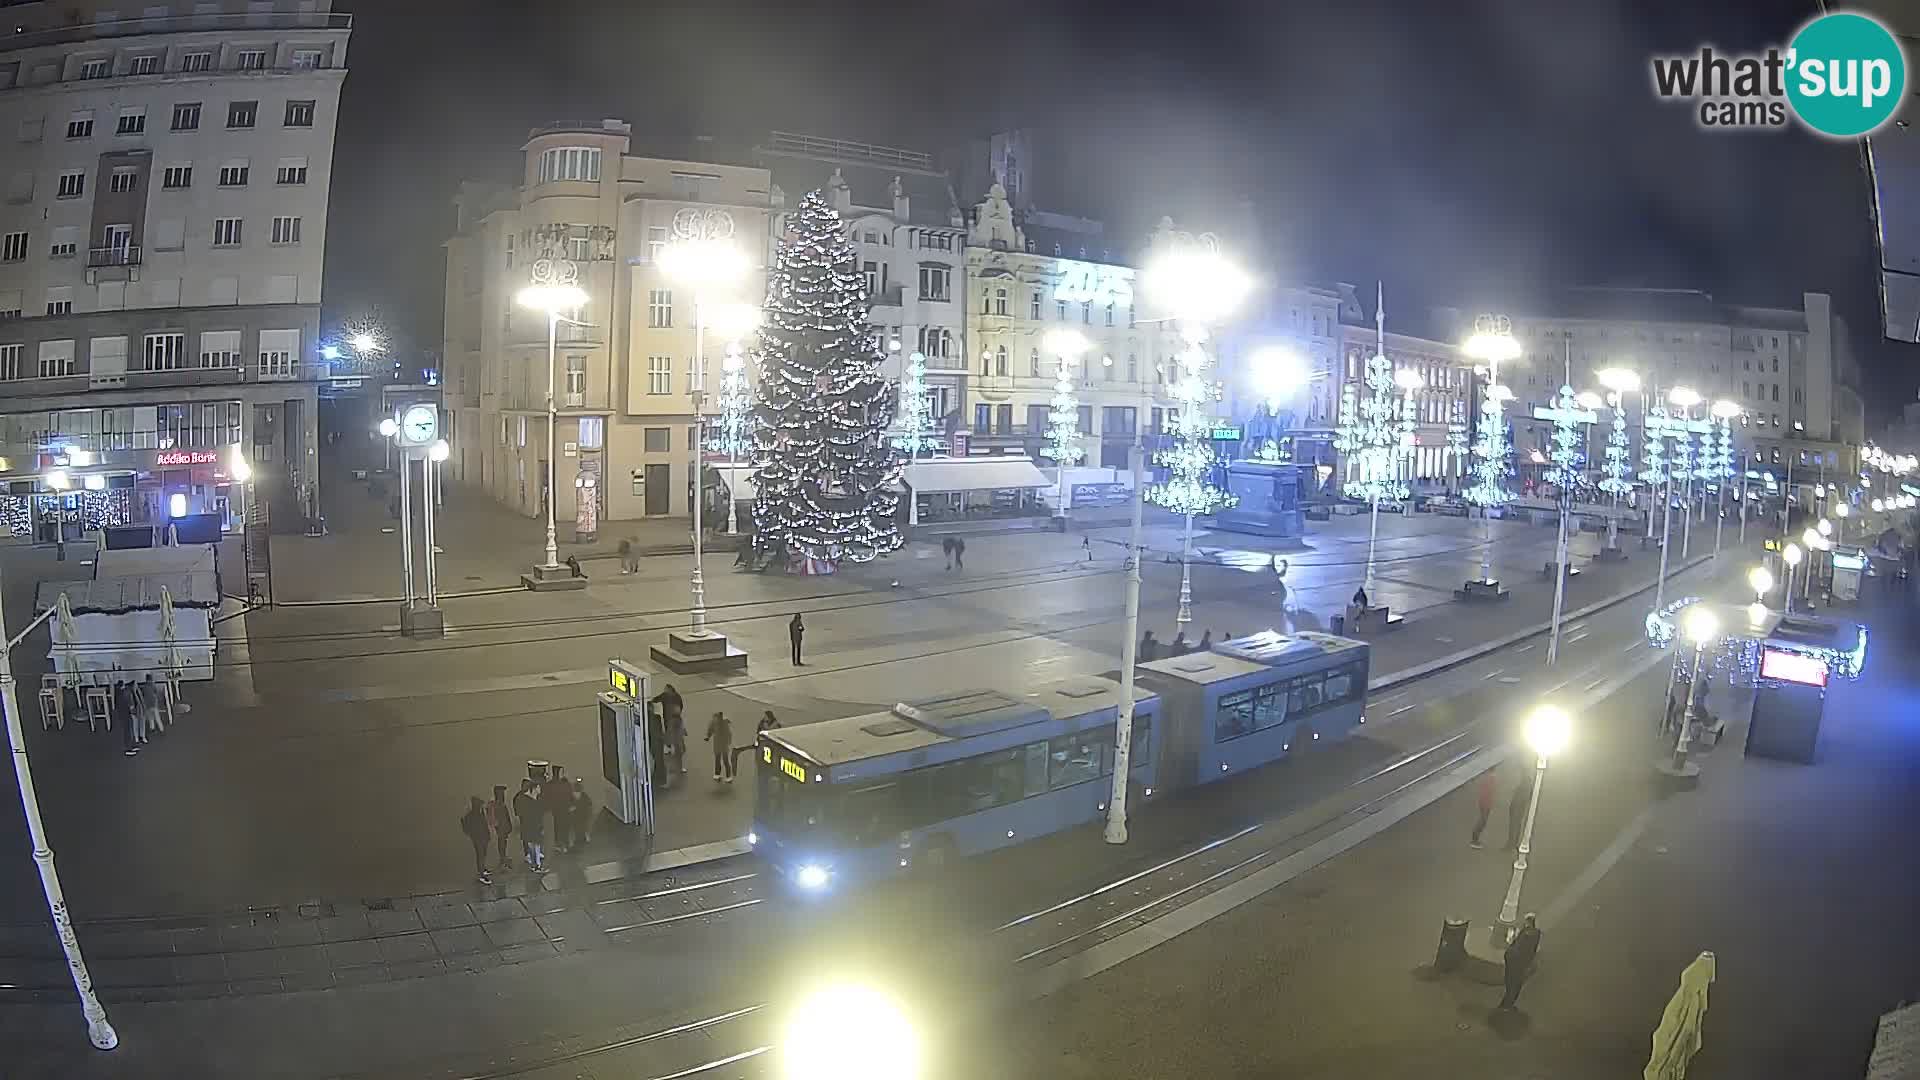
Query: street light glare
point(1725, 409)
point(388, 427)
point(1684, 396)
point(439, 451)
point(1066, 343)
point(1825, 527)
point(734, 320)
point(364, 342)
point(1842, 510)
point(1700, 625)
point(1277, 373)
point(702, 262)
point(849, 1033)
point(1547, 730)
point(1791, 555)
point(1761, 579)
point(552, 299)
point(1196, 285)
point(1408, 379)
point(1619, 380)
point(1493, 348)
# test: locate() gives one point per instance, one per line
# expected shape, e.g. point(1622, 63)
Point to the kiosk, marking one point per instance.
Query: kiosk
point(1849, 566)
point(626, 746)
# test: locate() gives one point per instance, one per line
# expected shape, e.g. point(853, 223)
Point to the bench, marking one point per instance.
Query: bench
point(1374, 618)
point(1551, 567)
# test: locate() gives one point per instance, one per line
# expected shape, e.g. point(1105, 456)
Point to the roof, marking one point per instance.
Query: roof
point(930, 199)
point(1204, 667)
point(120, 595)
point(993, 473)
point(1255, 653)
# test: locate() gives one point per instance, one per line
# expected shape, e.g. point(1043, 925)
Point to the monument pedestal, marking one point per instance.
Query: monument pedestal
point(1481, 590)
point(419, 620)
point(551, 579)
point(703, 654)
point(1269, 502)
point(1611, 554)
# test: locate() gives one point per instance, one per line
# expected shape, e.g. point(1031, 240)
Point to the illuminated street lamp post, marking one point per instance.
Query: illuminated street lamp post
point(1546, 730)
point(1762, 581)
point(1701, 627)
point(1840, 512)
point(553, 291)
point(1791, 556)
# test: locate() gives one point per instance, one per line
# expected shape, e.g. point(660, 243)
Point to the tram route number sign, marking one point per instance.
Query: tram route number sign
point(625, 680)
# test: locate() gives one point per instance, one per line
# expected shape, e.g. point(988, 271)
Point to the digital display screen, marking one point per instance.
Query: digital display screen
point(794, 769)
point(622, 683)
point(1793, 667)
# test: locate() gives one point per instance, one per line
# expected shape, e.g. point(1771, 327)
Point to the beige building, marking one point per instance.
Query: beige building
point(162, 237)
point(622, 382)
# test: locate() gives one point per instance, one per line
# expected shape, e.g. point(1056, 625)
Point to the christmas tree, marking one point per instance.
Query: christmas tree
point(824, 474)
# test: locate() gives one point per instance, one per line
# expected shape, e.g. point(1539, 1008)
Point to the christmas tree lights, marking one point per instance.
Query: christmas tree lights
point(1375, 438)
point(1619, 457)
point(1346, 434)
point(1457, 448)
point(1063, 417)
point(916, 407)
point(732, 434)
point(1191, 458)
point(824, 476)
point(1491, 452)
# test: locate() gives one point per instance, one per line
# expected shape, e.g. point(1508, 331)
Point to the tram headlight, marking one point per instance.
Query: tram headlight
point(813, 876)
point(753, 839)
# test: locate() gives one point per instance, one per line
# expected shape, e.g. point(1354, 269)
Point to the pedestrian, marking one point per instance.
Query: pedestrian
point(1180, 645)
point(533, 835)
point(1360, 598)
point(768, 722)
point(1206, 640)
point(946, 548)
point(1519, 959)
point(677, 740)
point(720, 734)
point(137, 711)
point(557, 796)
point(657, 747)
point(500, 823)
point(1086, 545)
point(573, 566)
point(1516, 815)
point(743, 552)
point(1149, 648)
point(150, 693)
point(118, 713)
point(1483, 801)
point(796, 629)
point(474, 824)
point(959, 553)
point(582, 809)
point(626, 556)
point(671, 705)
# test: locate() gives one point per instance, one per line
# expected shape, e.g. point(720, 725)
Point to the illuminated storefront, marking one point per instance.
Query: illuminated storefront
point(63, 494)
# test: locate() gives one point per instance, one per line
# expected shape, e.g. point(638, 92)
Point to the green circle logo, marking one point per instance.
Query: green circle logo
point(1846, 75)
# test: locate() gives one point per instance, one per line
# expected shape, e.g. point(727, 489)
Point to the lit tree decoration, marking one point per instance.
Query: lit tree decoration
point(1457, 446)
point(1346, 433)
point(1491, 451)
point(1683, 463)
point(1619, 459)
point(824, 474)
point(1567, 470)
point(1063, 417)
point(732, 435)
point(1653, 454)
point(1376, 439)
point(1191, 458)
point(1404, 443)
point(916, 407)
point(1723, 469)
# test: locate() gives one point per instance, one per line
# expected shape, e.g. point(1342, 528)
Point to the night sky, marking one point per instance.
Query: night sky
point(1466, 152)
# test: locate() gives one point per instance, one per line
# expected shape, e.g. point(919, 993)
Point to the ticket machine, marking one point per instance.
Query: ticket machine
point(626, 756)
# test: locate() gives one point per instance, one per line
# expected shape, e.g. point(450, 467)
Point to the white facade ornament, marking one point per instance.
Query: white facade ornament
point(702, 223)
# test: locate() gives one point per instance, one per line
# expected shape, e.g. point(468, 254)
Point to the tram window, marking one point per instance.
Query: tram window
point(1235, 717)
point(1306, 695)
point(1035, 755)
point(1142, 743)
point(1269, 707)
point(1074, 759)
point(871, 814)
point(1340, 685)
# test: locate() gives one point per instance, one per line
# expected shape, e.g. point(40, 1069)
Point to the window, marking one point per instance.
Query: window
point(1109, 313)
point(177, 177)
point(186, 117)
point(286, 230)
point(72, 185)
point(1074, 759)
point(307, 59)
point(234, 174)
point(1133, 368)
point(593, 432)
point(56, 359)
point(196, 61)
point(164, 352)
point(936, 281)
point(1033, 362)
point(13, 247)
point(999, 301)
point(1776, 361)
point(145, 65)
point(660, 309)
point(11, 359)
point(1033, 305)
point(96, 69)
point(242, 114)
point(220, 349)
point(1776, 391)
point(251, 60)
point(656, 242)
point(60, 300)
point(1746, 389)
point(65, 241)
point(1086, 312)
point(576, 377)
point(80, 125)
point(132, 122)
point(660, 375)
point(121, 181)
point(1000, 361)
point(656, 440)
point(1234, 717)
point(1798, 396)
point(294, 171)
point(870, 271)
point(278, 349)
point(570, 163)
point(299, 114)
point(226, 232)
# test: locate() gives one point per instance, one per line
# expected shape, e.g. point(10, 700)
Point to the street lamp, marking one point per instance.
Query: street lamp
point(850, 1033)
point(1791, 556)
point(552, 297)
point(1700, 626)
point(1762, 581)
point(1547, 729)
point(702, 262)
point(1841, 510)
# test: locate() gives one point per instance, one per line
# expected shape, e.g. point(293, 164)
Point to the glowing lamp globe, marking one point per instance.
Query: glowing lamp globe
point(1547, 730)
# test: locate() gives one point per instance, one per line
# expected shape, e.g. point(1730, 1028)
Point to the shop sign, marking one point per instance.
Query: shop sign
point(173, 459)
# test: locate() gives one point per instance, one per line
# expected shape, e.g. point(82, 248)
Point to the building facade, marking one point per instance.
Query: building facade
point(1447, 387)
point(624, 364)
point(161, 244)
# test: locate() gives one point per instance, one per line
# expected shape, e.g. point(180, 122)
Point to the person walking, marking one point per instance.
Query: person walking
point(532, 833)
point(1180, 645)
point(119, 713)
point(1149, 647)
point(677, 740)
point(671, 705)
point(1360, 598)
point(500, 823)
point(626, 556)
point(720, 734)
point(474, 824)
point(1206, 640)
point(959, 553)
point(767, 722)
point(1518, 960)
point(796, 629)
point(1516, 815)
point(1483, 801)
point(582, 810)
point(150, 703)
point(557, 796)
point(946, 548)
point(1086, 545)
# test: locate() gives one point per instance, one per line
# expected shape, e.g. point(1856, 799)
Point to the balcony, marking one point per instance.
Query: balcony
point(530, 329)
point(123, 255)
point(177, 24)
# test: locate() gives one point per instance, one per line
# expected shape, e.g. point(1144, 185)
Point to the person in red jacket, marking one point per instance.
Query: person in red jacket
point(1483, 798)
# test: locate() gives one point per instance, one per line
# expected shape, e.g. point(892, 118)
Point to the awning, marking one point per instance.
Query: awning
point(996, 473)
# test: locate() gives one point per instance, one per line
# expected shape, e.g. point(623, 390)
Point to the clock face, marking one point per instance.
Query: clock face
point(419, 424)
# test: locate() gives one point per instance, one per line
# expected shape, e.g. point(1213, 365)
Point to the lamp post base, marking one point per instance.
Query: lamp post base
point(1612, 553)
point(1678, 774)
point(1482, 589)
point(554, 578)
point(420, 620)
point(699, 654)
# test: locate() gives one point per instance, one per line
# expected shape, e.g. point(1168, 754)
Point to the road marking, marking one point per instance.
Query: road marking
point(1510, 680)
point(1595, 683)
point(1597, 869)
point(1576, 637)
point(1524, 648)
point(1491, 674)
point(1631, 647)
point(1399, 710)
point(1444, 640)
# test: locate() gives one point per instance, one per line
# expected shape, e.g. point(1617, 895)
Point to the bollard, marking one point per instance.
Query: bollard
point(1453, 946)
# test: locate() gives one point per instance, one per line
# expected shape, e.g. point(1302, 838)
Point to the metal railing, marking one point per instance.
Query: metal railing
point(122, 255)
point(174, 24)
point(816, 146)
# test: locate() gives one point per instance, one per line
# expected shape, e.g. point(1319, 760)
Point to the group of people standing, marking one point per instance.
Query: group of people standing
point(557, 801)
point(136, 708)
point(667, 736)
point(1151, 647)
